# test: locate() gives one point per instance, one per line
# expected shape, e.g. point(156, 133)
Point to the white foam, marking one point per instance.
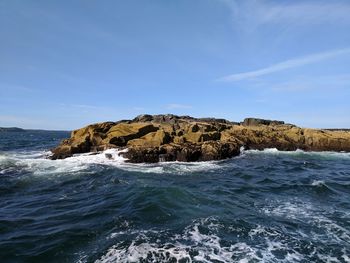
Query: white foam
point(267, 150)
point(160, 168)
point(152, 252)
point(38, 164)
point(190, 167)
point(289, 210)
point(298, 152)
point(309, 214)
point(317, 183)
point(195, 245)
point(207, 247)
point(272, 240)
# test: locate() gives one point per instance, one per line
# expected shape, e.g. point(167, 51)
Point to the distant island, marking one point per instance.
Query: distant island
point(11, 129)
point(154, 138)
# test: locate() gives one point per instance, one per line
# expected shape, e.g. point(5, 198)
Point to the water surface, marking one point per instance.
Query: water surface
point(264, 206)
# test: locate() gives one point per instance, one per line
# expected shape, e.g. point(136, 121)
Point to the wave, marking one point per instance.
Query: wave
point(312, 216)
point(191, 246)
point(318, 183)
point(36, 162)
point(298, 152)
point(201, 242)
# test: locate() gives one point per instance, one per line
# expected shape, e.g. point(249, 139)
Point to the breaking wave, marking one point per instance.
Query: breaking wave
point(38, 163)
point(204, 241)
point(298, 153)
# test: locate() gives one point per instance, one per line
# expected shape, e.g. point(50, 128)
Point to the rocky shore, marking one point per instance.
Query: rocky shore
point(160, 138)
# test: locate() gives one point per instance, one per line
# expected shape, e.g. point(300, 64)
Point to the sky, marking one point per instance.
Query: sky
point(66, 64)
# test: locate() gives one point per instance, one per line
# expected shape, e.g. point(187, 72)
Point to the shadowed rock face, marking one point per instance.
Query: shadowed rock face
point(255, 122)
point(154, 138)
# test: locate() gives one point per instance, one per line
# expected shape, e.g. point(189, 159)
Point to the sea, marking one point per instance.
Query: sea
point(261, 206)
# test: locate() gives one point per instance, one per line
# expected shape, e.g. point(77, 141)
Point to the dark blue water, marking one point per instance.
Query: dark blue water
point(265, 206)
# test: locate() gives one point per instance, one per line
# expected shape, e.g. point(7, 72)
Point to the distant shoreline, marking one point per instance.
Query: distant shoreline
point(16, 129)
point(337, 129)
point(11, 129)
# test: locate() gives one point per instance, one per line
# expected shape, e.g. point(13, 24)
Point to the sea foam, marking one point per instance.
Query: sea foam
point(38, 163)
point(298, 152)
point(201, 242)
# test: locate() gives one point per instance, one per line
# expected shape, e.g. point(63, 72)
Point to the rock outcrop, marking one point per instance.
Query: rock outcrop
point(256, 121)
point(154, 138)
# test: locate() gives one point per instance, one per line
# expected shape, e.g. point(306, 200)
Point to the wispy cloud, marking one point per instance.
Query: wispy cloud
point(305, 83)
point(316, 12)
point(250, 14)
point(177, 106)
point(291, 63)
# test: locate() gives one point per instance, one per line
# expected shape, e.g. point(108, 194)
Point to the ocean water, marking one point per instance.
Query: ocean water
point(263, 206)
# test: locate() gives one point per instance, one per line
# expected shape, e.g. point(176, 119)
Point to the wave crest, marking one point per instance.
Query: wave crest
point(38, 164)
point(298, 152)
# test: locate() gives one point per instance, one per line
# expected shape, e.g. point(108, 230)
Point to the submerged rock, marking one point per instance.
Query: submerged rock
point(155, 138)
point(109, 156)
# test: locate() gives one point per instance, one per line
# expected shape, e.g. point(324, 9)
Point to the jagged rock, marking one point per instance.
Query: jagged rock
point(143, 118)
point(121, 133)
point(196, 137)
point(214, 120)
point(179, 139)
point(61, 152)
point(256, 121)
point(142, 155)
point(109, 156)
point(154, 138)
point(215, 150)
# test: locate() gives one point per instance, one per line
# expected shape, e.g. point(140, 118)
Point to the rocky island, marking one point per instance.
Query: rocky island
point(161, 138)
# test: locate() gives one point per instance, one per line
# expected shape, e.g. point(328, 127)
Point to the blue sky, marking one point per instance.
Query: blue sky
point(65, 64)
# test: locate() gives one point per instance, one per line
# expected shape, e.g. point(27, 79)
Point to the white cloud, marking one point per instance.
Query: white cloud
point(316, 12)
point(177, 106)
point(291, 63)
point(250, 14)
point(336, 82)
